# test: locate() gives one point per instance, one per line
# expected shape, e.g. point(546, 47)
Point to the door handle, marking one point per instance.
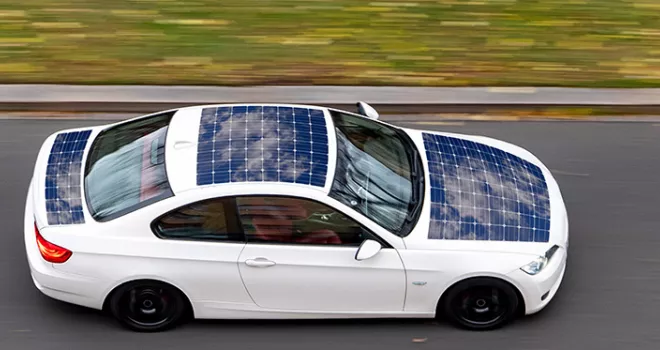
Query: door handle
point(259, 262)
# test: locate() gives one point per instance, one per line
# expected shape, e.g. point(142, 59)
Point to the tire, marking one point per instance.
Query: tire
point(480, 304)
point(147, 306)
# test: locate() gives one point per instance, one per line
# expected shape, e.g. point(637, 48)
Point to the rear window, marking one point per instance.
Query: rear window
point(126, 168)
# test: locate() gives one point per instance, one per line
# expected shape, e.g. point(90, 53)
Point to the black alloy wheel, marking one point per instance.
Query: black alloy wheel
point(147, 306)
point(481, 304)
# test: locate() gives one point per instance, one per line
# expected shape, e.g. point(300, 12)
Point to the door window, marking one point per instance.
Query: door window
point(213, 220)
point(274, 219)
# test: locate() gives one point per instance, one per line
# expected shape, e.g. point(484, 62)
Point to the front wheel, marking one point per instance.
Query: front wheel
point(147, 306)
point(481, 304)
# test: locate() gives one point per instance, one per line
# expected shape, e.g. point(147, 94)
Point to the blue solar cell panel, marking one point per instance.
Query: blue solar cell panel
point(262, 144)
point(63, 178)
point(480, 192)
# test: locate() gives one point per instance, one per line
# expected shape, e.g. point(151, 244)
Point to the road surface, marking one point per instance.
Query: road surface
point(610, 298)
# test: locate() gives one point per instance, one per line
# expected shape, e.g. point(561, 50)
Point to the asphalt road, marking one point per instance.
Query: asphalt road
point(610, 298)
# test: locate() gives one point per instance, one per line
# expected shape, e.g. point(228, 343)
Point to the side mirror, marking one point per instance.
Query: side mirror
point(366, 110)
point(368, 249)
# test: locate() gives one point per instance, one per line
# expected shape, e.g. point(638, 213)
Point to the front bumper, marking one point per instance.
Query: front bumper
point(540, 289)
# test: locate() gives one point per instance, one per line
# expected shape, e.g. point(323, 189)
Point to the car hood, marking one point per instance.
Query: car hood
point(483, 193)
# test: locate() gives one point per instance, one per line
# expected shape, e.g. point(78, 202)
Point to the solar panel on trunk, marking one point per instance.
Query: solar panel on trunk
point(63, 179)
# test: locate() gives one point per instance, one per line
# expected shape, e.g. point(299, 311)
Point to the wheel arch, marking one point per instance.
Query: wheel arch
point(521, 297)
point(108, 295)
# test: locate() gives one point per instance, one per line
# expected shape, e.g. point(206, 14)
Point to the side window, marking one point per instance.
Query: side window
point(297, 221)
point(212, 220)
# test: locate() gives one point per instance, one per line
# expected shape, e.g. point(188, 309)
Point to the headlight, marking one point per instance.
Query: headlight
point(537, 265)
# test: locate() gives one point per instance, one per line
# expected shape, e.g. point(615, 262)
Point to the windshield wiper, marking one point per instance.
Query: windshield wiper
point(418, 187)
point(416, 177)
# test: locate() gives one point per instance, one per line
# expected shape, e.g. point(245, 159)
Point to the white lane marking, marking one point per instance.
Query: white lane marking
point(435, 123)
point(567, 173)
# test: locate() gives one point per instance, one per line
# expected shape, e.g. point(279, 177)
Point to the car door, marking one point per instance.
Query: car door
point(203, 241)
point(301, 255)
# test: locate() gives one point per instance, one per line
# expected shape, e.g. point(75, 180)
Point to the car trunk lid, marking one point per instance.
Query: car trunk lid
point(58, 197)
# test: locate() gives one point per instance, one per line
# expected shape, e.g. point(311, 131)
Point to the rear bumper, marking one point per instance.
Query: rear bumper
point(71, 288)
point(68, 288)
point(540, 289)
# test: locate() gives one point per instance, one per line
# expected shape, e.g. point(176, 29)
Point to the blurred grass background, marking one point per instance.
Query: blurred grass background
point(599, 43)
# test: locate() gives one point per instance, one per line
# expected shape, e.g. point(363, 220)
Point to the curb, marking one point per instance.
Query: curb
point(385, 95)
point(518, 103)
point(404, 118)
point(383, 108)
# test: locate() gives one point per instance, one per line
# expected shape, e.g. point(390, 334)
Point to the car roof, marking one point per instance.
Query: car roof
point(265, 145)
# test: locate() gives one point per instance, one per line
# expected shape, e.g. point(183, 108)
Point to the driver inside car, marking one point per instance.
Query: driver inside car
point(278, 223)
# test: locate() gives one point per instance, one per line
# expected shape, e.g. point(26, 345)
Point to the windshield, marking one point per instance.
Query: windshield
point(377, 172)
point(126, 168)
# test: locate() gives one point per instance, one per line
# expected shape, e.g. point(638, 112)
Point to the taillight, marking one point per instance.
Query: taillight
point(49, 251)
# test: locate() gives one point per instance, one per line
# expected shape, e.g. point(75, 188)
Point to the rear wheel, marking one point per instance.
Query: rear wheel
point(481, 304)
point(147, 306)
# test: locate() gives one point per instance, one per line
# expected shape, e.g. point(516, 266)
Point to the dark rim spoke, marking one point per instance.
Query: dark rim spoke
point(495, 296)
point(148, 306)
point(481, 305)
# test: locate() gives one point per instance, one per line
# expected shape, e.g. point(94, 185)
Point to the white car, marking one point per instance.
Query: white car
point(292, 211)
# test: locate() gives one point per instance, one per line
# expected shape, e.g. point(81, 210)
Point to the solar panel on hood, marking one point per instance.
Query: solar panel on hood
point(480, 192)
point(262, 144)
point(63, 191)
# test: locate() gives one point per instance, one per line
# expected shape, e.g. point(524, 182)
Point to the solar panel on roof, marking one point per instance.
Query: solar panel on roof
point(480, 192)
point(263, 144)
point(63, 192)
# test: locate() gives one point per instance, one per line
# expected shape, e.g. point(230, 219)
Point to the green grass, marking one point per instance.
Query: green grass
point(602, 43)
